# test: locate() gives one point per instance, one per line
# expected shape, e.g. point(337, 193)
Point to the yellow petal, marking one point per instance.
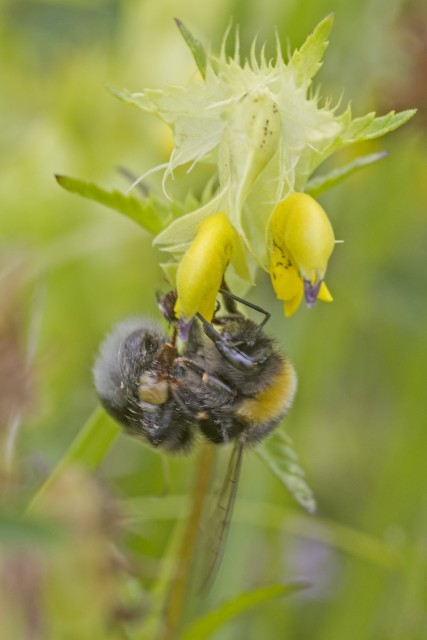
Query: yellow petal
point(202, 267)
point(286, 281)
point(207, 306)
point(324, 293)
point(300, 227)
point(290, 306)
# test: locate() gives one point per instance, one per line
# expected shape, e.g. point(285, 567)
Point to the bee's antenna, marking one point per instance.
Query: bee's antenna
point(134, 180)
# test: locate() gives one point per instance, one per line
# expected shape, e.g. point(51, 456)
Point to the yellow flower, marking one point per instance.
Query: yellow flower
point(303, 240)
point(262, 129)
point(201, 270)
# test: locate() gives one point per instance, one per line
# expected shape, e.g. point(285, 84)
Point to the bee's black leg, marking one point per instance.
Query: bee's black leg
point(226, 293)
point(192, 403)
point(183, 404)
point(205, 377)
point(233, 355)
point(228, 299)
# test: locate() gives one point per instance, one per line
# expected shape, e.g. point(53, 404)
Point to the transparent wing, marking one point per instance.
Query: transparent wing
point(218, 524)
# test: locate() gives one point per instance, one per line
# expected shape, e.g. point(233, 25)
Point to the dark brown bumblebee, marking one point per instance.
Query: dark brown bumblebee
point(230, 381)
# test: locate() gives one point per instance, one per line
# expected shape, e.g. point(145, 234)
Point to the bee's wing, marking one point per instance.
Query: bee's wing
point(217, 526)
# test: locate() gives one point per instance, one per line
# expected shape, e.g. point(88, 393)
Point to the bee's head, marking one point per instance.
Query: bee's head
point(126, 353)
point(131, 378)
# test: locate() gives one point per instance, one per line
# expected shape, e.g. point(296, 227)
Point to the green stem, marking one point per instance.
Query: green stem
point(178, 592)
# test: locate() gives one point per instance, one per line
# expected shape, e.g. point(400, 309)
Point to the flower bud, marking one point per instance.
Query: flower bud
point(250, 140)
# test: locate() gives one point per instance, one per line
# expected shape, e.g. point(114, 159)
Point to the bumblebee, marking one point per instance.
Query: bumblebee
point(135, 377)
point(229, 381)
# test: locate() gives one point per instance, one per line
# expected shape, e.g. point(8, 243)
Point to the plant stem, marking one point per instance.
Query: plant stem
point(177, 595)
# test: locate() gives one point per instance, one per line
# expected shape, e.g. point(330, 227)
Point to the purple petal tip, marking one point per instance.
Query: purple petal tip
point(311, 291)
point(184, 330)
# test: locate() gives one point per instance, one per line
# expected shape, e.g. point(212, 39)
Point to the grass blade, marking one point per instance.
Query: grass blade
point(205, 626)
point(88, 449)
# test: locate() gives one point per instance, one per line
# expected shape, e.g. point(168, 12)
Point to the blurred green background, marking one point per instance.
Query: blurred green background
point(69, 269)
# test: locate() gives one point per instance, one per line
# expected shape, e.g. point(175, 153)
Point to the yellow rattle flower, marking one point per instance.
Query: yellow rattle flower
point(201, 270)
point(303, 241)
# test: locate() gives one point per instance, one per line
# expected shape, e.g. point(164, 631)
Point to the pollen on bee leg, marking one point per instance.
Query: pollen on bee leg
point(205, 377)
point(152, 390)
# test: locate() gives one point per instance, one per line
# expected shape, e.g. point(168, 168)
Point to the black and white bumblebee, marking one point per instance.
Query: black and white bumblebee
point(229, 381)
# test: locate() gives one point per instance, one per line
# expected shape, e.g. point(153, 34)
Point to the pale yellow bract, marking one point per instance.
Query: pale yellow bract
point(264, 130)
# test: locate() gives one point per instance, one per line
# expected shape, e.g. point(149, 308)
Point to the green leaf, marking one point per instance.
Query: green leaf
point(146, 100)
point(149, 213)
point(125, 96)
point(195, 46)
point(18, 531)
point(307, 60)
point(206, 625)
point(278, 454)
point(170, 269)
point(319, 184)
point(88, 449)
point(93, 441)
point(279, 518)
point(369, 127)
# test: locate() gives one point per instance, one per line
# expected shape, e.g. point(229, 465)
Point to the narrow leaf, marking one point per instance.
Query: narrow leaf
point(93, 441)
point(17, 531)
point(195, 46)
point(278, 454)
point(307, 60)
point(88, 449)
point(143, 212)
point(369, 127)
point(133, 99)
point(319, 184)
point(205, 626)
